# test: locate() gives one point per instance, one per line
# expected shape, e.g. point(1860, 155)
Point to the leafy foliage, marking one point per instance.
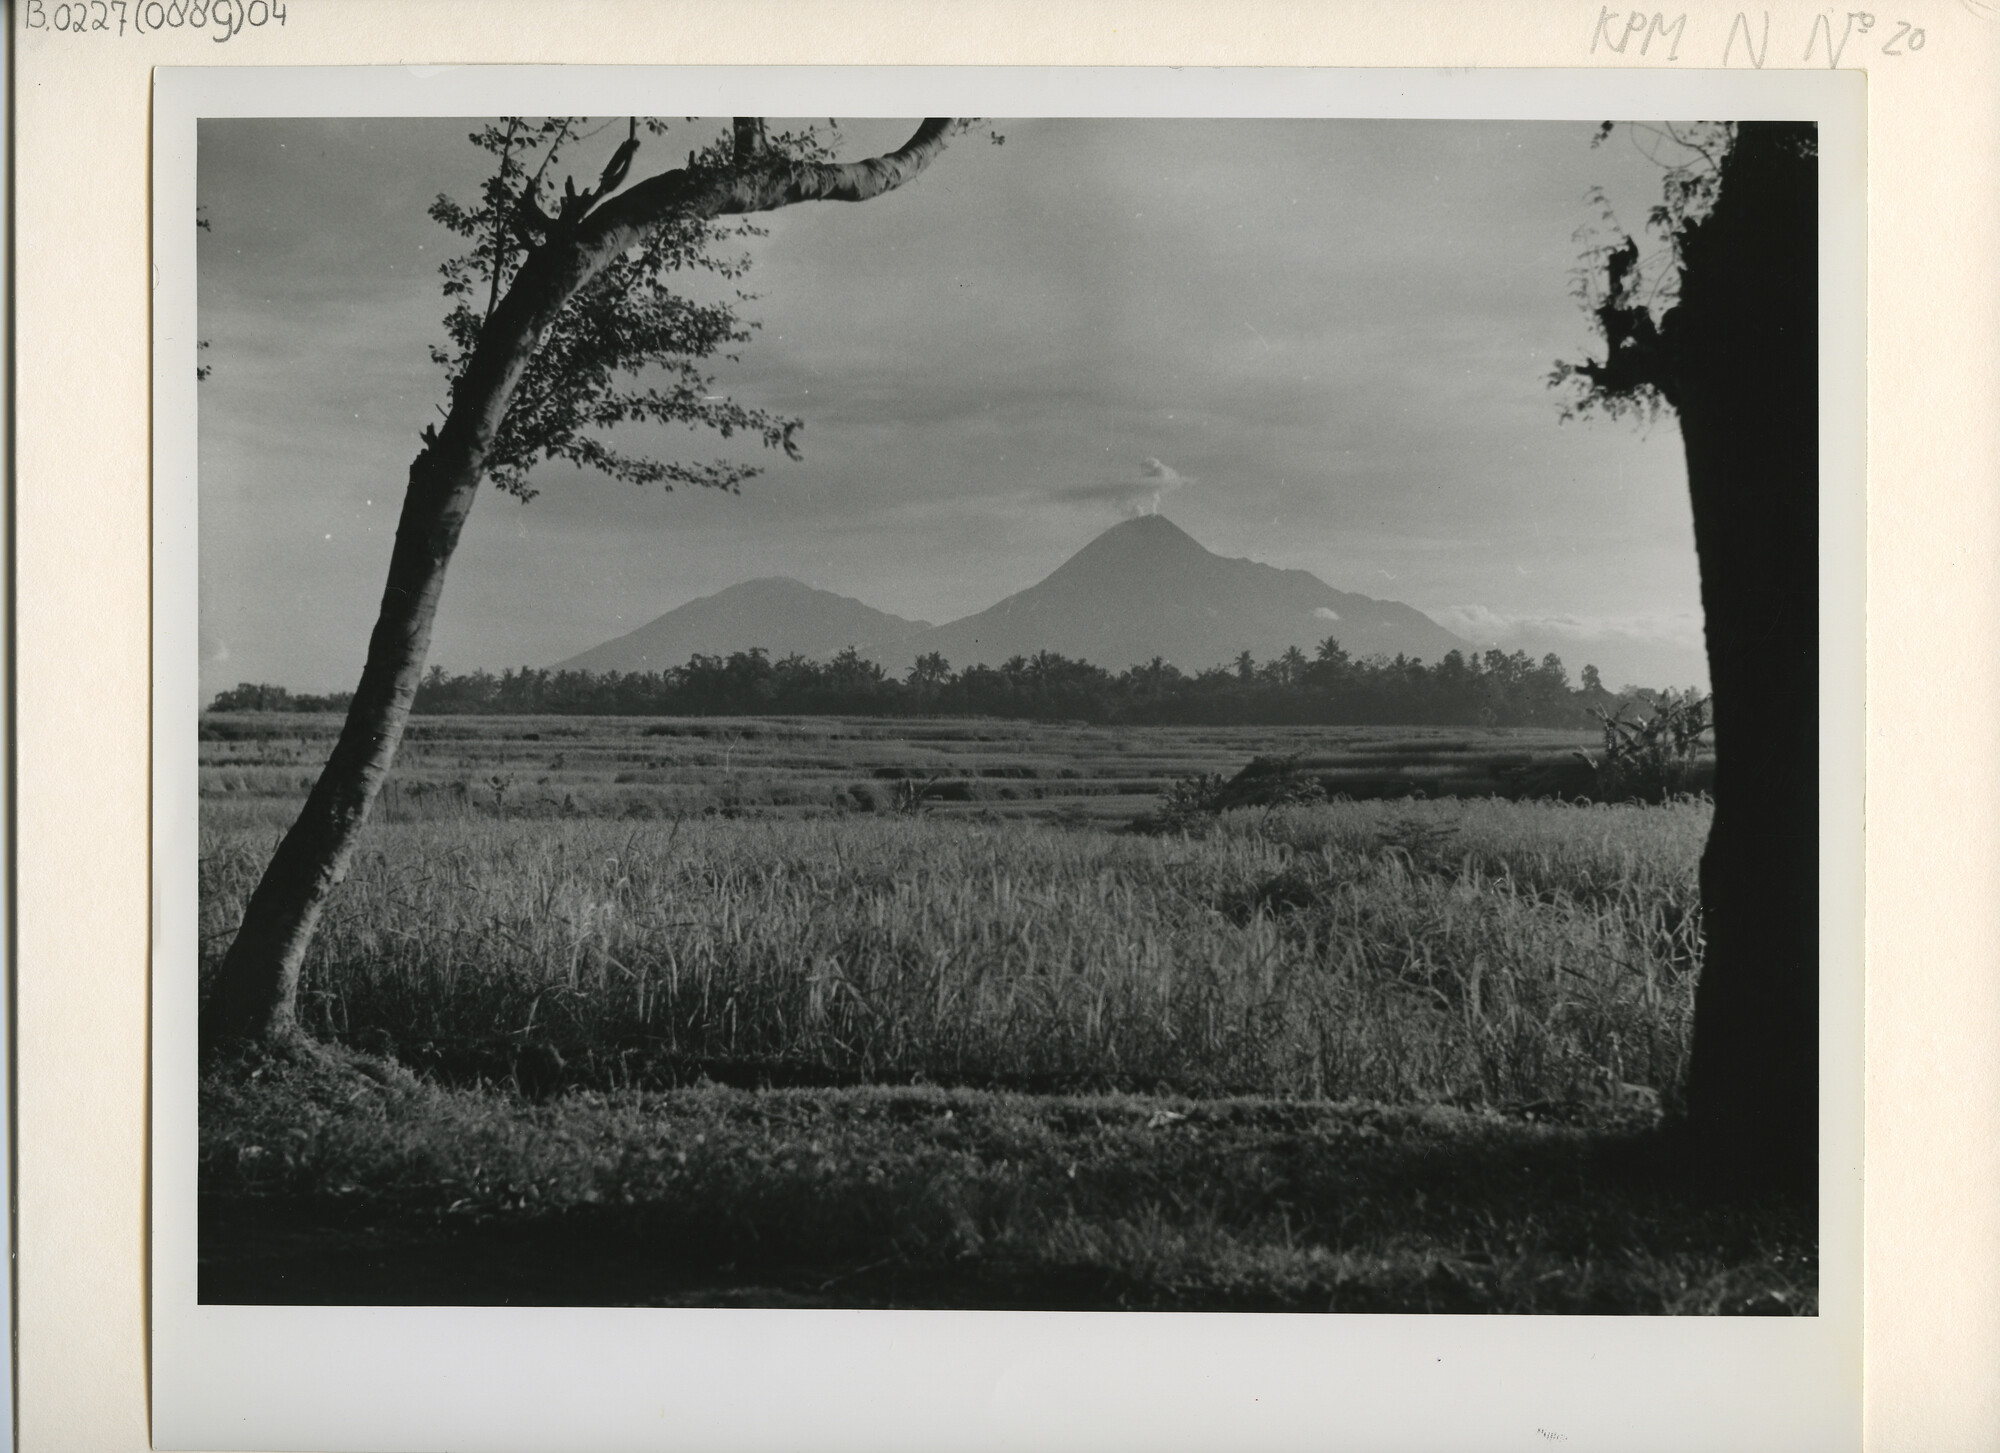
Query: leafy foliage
point(1493, 689)
point(253, 696)
point(1652, 758)
point(627, 348)
point(1629, 293)
point(1188, 805)
point(1273, 782)
point(202, 224)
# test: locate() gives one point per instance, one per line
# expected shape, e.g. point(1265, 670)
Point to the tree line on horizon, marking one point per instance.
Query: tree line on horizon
point(1328, 688)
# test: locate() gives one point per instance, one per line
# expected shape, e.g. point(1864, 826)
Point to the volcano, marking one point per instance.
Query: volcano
point(781, 615)
point(1146, 588)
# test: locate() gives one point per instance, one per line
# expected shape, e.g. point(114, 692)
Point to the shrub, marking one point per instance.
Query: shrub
point(1269, 782)
point(1187, 805)
point(1653, 758)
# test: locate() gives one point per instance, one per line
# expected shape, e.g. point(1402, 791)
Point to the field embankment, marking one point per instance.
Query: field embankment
point(256, 767)
point(389, 1191)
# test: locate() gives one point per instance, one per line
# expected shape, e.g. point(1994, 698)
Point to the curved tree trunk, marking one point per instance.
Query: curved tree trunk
point(256, 991)
point(1744, 340)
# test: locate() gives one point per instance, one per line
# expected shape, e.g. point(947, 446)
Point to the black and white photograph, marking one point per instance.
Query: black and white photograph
point(1154, 714)
point(1201, 732)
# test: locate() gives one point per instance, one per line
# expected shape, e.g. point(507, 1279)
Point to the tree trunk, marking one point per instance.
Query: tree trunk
point(256, 990)
point(1745, 343)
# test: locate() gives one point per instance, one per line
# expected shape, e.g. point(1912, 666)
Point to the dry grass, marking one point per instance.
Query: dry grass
point(1343, 1055)
point(1480, 952)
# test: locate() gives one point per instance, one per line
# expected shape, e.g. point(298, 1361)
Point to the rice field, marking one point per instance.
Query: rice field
point(1478, 951)
point(697, 1001)
point(256, 767)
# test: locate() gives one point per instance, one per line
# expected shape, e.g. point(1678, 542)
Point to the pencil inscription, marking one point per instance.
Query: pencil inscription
point(223, 20)
point(1633, 33)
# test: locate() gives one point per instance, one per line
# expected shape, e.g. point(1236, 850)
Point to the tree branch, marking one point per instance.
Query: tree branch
point(1637, 355)
point(571, 257)
point(501, 223)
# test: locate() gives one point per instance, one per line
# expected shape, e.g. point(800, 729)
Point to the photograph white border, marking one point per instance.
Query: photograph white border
point(498, 1378)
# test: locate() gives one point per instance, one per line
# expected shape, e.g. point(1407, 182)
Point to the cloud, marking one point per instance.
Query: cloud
point(1474, 622)
point(1326, 613)
point(1485, 627)
point(1138, 494)
point(1660, 649)
point(213, 647)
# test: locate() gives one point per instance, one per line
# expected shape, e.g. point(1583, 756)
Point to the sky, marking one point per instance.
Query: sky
point(1319, 344)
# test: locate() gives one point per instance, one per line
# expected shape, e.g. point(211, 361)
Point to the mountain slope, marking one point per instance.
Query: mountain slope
point(779, 614)
point(1146, 588)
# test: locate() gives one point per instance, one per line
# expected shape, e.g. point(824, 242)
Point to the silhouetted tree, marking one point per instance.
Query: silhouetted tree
point(928, 673)
point(577, 331)
point(1734, 353)
point(1495, 689)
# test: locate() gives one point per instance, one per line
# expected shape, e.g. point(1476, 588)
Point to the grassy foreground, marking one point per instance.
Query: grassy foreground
point(327, 1185)
point(1379, 1055)
point(1477, 952)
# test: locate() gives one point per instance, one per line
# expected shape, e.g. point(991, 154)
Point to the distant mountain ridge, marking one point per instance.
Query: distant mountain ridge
point(779, 614)
point(1147, 588)
point(1142, 589)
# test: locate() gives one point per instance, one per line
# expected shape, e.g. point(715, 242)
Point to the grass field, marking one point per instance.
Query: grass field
point(255, 767)
point(1001, 1049)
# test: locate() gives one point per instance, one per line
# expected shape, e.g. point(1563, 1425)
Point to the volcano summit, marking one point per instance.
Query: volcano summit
point(1142, 589)
point(1147, 588)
